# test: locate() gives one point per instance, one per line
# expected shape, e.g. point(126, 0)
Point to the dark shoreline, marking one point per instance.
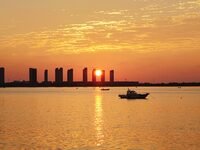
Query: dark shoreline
point(97, 84)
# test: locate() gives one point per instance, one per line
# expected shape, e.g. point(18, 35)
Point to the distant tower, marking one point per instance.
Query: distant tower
point(32, 75)
point(59, 75)
point(85, 77)
point(45, 76)
point(93, 75)
point(2, 76)
point(111, 75)
point(56, 75)
point(70, 75)
point(103, 76)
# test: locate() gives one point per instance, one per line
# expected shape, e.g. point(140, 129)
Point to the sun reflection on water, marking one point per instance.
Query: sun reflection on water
point(99, 120)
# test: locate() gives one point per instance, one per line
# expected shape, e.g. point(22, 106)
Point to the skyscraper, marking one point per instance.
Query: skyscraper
point(70, 75)
point(59, 75)
point(46, 76)
point(32, 75)
point(2, 76)
point(103, 76)
point(111, 75)
point(85, 77)
point(93, 75)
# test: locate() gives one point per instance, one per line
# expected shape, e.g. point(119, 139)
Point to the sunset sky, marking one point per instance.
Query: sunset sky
point(142, 40)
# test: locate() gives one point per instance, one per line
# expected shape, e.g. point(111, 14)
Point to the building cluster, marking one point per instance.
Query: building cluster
point(59, 76)
point(70, 75)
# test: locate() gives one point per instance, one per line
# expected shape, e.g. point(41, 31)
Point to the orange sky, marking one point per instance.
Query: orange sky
point(142, 40)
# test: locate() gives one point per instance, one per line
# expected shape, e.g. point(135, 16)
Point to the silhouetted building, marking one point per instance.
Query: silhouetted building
point(56, 75)
point(111, 75)
point(70, 75)
point(46, 76)
point(103, 76)
point(59, 75)
point(93, 75)
point(33, 75)
point(85, 75)
point(2, 76)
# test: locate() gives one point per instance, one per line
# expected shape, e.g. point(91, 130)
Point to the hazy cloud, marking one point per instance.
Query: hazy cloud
point(154, 27)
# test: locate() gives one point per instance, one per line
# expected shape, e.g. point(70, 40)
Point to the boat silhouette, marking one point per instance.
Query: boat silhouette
point(131, 94)
point(105, 89)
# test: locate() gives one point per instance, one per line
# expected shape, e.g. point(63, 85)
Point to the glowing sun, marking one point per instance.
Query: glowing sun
point(98, 73)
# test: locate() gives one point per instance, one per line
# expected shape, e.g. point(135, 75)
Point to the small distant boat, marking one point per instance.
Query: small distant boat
point(105, 89)
point(131, 94)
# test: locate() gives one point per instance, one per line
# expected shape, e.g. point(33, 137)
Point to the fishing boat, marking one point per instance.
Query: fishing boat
point(131, 94)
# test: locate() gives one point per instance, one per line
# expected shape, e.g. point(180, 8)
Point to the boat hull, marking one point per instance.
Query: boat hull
point(138, 96)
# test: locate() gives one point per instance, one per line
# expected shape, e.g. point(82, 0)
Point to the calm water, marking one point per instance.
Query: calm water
point(88, 118)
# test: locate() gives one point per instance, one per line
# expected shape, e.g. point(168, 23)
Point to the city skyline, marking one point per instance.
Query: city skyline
point(48, 74)
point(98, 79)
point(59, 76)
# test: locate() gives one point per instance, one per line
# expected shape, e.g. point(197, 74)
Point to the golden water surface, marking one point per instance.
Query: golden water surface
point(88, 118)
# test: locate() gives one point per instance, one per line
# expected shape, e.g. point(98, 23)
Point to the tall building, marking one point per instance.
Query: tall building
point(70, 75)
point(2, 76)
point(46, 76)
point(33, 75)
point(103, 76)
point(93, 75)
point(59, 75)
point(111, 75)
point(85, 76)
